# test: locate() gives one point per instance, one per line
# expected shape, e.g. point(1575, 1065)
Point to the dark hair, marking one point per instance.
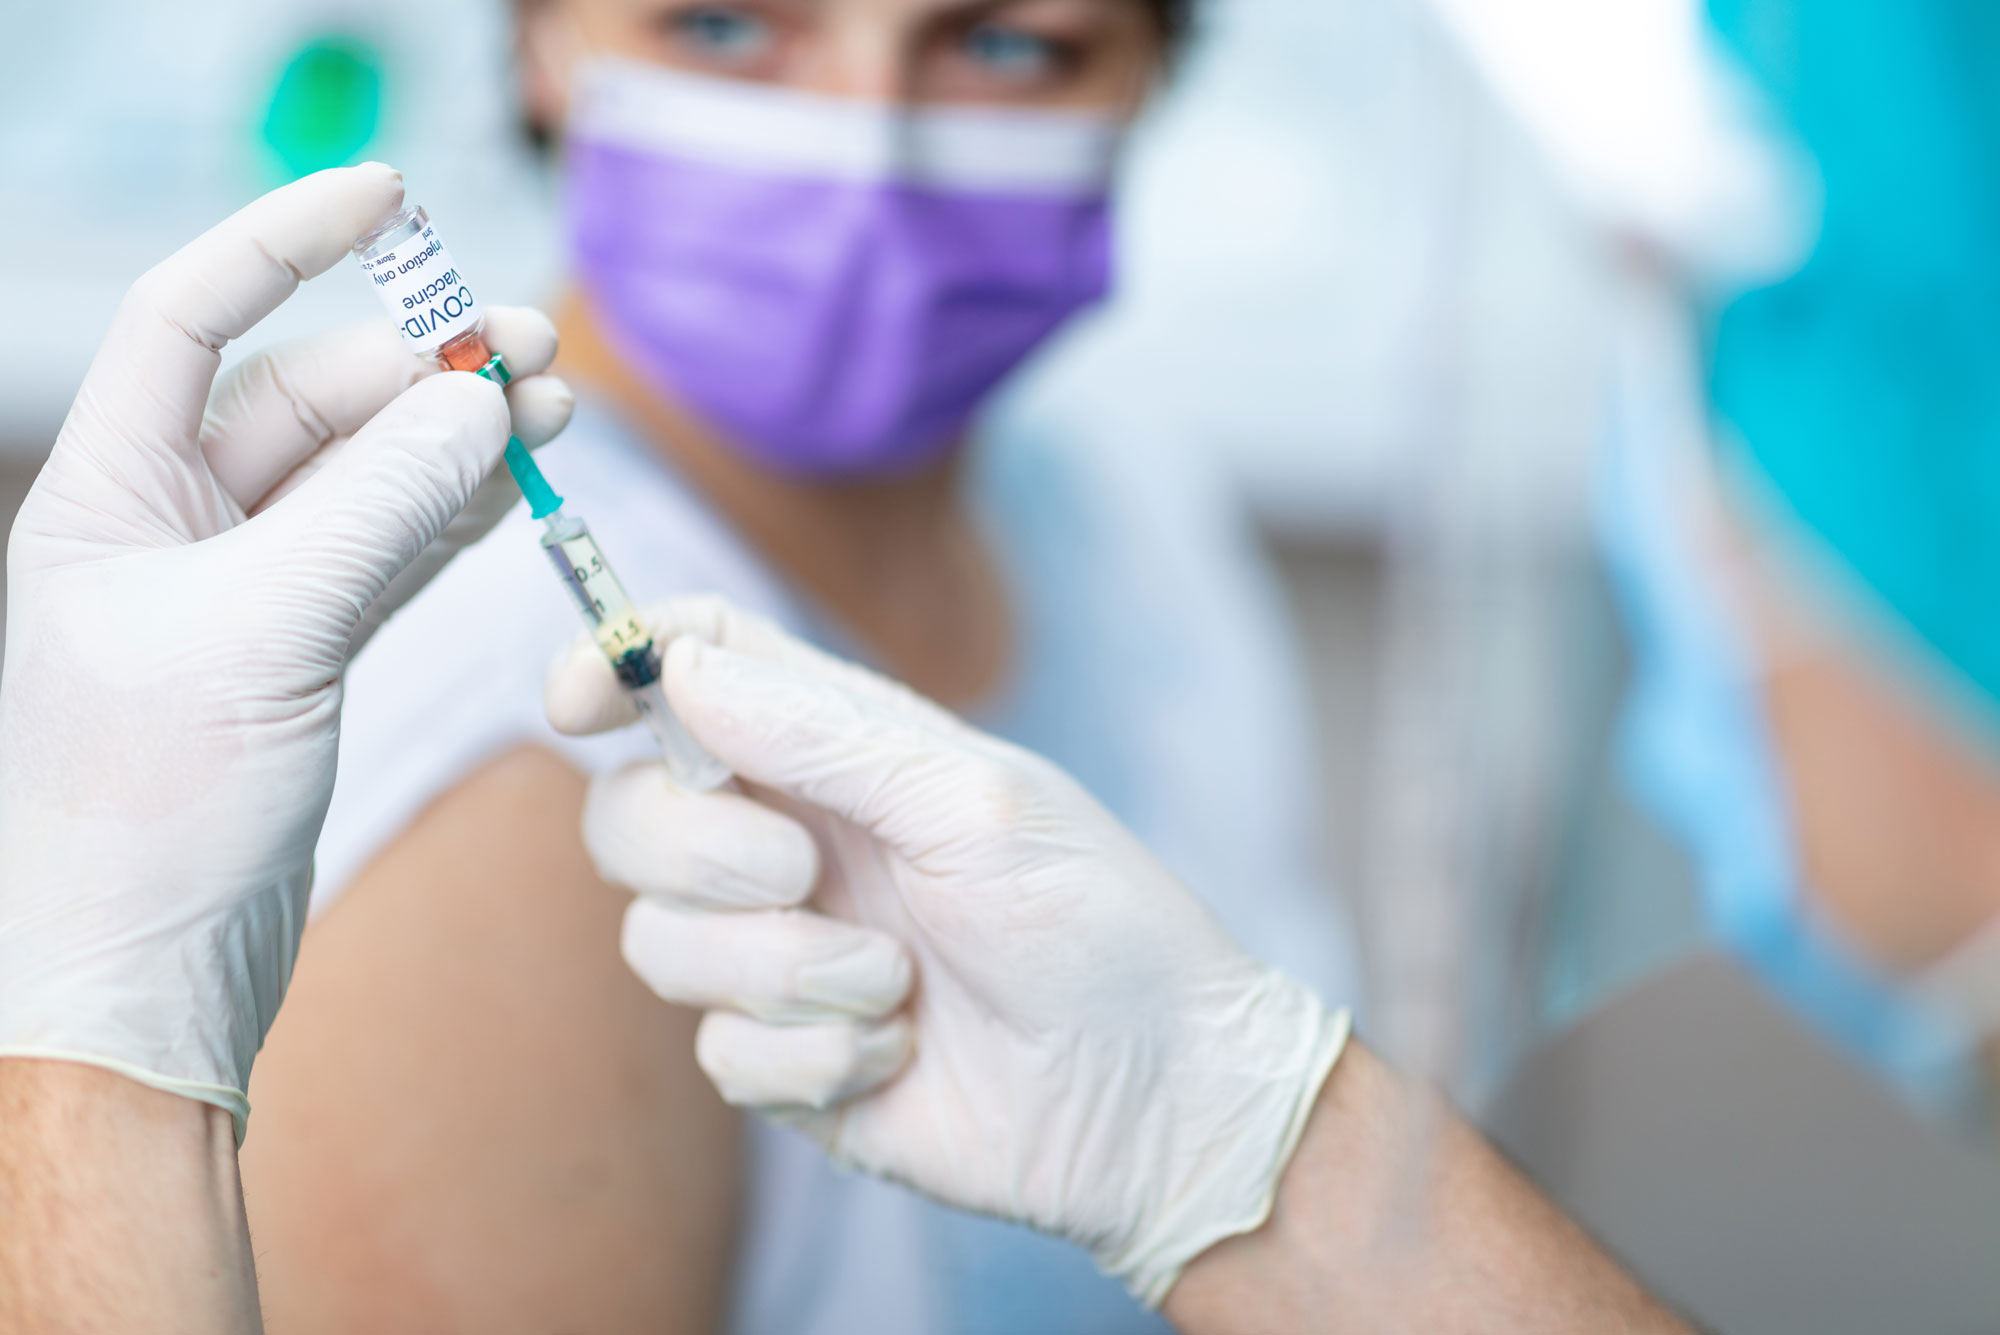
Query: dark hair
point(1173, 18)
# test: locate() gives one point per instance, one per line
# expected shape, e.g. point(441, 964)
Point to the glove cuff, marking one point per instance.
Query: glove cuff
point(232, 1101)
point(185, 1014)
point(1261, 1069)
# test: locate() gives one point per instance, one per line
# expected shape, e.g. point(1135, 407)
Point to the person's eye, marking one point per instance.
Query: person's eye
point(723, 34)
point(1012, 54)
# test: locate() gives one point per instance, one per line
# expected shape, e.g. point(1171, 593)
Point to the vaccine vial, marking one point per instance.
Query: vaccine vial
point(424, 291)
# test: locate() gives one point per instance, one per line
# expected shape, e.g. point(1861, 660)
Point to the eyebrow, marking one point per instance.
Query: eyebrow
point(960, 10)
point(964, 10)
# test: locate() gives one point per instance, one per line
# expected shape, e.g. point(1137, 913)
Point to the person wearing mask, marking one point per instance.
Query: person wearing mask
point(807, 244)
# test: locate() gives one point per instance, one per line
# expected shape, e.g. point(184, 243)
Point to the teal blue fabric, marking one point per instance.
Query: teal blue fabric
point(1867, 386)
point(1696, 750)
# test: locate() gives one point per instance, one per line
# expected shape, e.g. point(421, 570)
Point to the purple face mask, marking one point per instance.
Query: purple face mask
point(834, 284)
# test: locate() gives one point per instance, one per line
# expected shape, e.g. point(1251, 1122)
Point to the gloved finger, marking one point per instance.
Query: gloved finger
point(150, 381)
point(781, 966)
point(545, 401)
point(758, 1065)
point(918, 784)
point(539, 409)
point(274, 412)
point(583, 696)
point(716, 850)
point(336, 542)
point(488, 506)
point(523, 336)
point(541, 406)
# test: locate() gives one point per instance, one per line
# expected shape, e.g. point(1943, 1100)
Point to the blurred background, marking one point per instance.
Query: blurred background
point(1381, 259)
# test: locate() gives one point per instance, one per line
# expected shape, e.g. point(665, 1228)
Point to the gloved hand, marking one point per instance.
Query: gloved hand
point(1082, 1048)
point(171, 700)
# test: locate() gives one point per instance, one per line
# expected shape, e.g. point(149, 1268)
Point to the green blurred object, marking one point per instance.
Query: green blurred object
point(326, 106)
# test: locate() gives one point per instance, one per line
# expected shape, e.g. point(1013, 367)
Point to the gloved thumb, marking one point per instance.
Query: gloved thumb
point(883, 759)
point(351, 528)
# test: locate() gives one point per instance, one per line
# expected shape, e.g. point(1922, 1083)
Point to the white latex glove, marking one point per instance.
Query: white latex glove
point(171, 702)
point(1083, 1049)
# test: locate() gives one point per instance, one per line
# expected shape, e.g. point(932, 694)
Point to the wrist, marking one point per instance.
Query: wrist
point(1292, 1262)
point(120, 1206)
point(58, 1104)
point(1247, 1078)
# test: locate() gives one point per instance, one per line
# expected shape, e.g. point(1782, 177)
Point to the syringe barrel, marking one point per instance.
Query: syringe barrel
point(601, 598)
point(627, 645)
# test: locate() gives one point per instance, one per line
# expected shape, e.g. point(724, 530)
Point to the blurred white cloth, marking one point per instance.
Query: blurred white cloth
point(1141, 602)
point(1650, 126)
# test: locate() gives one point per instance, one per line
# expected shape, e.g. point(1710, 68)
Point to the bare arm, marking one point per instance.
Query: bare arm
point(469, 1114)
point(1492, 1255)
point(120, 1207)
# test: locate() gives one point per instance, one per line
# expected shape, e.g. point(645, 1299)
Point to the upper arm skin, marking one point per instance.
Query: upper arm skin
point(469, 1114)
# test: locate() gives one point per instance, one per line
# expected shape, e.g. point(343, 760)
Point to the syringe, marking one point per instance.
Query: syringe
point(426, 294)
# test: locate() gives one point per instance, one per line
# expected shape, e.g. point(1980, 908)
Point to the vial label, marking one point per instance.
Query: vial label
point(420, 286)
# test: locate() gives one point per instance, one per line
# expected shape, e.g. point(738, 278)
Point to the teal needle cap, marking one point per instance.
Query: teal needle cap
point(542, 498)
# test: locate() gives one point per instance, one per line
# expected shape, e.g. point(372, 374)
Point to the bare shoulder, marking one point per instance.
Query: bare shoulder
point(469, 1114)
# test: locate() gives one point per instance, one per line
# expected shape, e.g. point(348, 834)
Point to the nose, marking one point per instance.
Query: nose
point(862, 54)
